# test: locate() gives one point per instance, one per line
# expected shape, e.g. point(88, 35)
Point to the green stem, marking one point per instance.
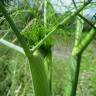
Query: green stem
point(13, 46)
point(48, 57)
point(76, 68)
point(49, 63)
point(75, 81)
point(85, 42)
point(83, 18)
point(79, 29)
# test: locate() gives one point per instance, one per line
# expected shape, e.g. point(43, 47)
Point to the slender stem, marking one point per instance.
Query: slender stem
point(50, 69)
point(83, 18)
point(75, 81)
point(13, 46)
point(78, 56)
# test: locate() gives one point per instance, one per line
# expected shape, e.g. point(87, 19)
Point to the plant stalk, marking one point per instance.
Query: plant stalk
point(75, 80)
point(39, 78)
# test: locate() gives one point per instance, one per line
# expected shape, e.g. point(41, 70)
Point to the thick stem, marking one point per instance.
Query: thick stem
point(40, 81)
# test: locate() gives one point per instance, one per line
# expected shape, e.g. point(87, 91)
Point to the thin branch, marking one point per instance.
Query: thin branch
point(13, 46)
point(86, 20)
point(82, 17)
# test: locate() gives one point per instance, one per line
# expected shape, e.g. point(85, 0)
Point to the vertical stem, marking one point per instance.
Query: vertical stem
point(75, 81)
point(78, 34)
point(50, 70)
point(49, 55)
point(77, 59)
point(48, 67)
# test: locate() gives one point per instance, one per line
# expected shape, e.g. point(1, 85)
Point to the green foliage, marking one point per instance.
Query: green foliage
point(35, 33)
point(5, 80)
